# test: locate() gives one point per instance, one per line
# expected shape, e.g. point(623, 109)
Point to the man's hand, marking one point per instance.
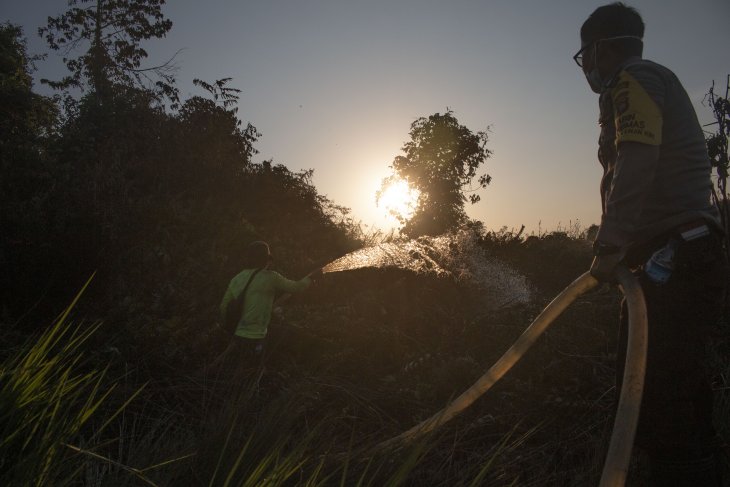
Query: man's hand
point(603, 267)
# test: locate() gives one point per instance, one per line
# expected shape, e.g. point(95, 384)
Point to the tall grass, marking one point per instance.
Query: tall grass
point(337, 381)
point(46, 396)
point(49, 394)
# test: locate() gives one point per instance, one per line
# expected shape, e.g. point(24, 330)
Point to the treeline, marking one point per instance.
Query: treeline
point(159, 198)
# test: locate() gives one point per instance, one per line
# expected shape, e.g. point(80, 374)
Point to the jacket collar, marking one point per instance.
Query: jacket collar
point(629, 61)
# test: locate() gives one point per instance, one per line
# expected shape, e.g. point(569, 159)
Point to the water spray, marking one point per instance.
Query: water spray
point(627, 414)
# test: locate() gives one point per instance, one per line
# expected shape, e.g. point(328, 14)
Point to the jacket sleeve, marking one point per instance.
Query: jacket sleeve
point(637, 100)
point(636, 164)
point(288, 286)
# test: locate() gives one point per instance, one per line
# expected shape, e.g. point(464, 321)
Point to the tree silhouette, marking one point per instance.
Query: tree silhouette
point(109, 34)
point(440, 161)
point(28, 128)
point(212, 142)
point(717, 149)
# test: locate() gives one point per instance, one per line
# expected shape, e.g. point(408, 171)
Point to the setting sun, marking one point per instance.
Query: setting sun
point(398, 199)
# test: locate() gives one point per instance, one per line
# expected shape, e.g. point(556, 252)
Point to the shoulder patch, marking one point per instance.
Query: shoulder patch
point(637, 116)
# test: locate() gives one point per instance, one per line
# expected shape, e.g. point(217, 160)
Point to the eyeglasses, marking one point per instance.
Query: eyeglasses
point(578, 58)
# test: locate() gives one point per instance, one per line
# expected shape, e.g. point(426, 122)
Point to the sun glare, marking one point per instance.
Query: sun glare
point(398, 199)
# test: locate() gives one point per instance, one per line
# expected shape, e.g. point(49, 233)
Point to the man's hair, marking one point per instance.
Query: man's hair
point(613, 20)
point(257, 254)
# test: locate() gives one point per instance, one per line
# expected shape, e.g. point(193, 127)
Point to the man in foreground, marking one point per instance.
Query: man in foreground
point(658, 219)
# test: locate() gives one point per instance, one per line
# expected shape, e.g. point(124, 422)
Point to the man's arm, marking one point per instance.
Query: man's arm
point(636, 165)
point(638, 118)
point(288, 286)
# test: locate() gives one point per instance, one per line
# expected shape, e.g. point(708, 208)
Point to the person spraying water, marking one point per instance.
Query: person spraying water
point(248, 304)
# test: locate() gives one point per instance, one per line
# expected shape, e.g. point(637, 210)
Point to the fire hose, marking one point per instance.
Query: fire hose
point(627, 414)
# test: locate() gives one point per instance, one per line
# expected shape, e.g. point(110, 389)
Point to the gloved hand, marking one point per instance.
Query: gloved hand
point(604, 266)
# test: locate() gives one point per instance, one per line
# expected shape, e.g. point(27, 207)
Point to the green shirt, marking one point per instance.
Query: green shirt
point(259, 299)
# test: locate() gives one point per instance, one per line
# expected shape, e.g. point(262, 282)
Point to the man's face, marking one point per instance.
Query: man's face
point(588, 57)
point(600, 54)
point(590, 60)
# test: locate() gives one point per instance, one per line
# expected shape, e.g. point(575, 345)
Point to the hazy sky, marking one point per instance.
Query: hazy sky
point(335, 85)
